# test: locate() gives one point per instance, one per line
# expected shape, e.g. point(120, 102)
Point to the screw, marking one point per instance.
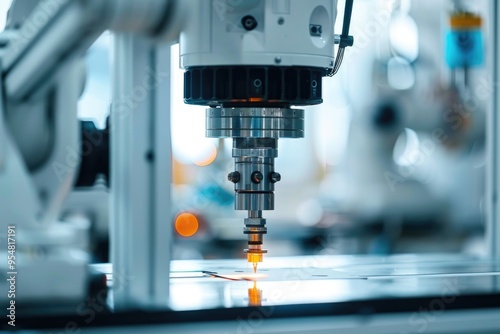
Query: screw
point(277, 60)
point(274, 177)
point(249, 22)
point(257, 177)
point(234, 177)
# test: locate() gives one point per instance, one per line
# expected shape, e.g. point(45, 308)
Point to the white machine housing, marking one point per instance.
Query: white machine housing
point(216, 35)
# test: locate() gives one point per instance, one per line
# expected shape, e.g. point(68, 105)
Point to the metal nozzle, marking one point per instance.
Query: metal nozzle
point(255, 228)
point(255, 256)
point(255, 132)
point(255, 259)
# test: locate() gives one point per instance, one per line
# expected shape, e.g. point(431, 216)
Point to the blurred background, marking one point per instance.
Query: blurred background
point(392, 162)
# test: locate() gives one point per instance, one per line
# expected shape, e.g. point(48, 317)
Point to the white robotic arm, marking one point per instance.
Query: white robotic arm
point(52, 38)
point(59, 30)
point(42, 78)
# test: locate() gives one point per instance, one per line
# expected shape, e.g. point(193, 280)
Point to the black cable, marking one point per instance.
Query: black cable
point(347, 20)
point(345, 39)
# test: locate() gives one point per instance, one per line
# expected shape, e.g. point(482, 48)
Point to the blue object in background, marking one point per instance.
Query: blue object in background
point(216, 194)
point(464, 48)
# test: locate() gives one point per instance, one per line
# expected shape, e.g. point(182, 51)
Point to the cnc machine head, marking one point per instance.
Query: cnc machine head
point(250, 61)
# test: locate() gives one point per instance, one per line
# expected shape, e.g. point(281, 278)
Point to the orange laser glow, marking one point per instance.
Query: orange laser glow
point(186, 224)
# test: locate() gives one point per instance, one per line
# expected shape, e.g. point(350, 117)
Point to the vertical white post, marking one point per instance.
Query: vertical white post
point(140, 173)
point(493, 141)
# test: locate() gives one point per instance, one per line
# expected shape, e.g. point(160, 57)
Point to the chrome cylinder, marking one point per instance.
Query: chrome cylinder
point(255, 228)
point(255, 133)
point(254, 162)
point(255, 123)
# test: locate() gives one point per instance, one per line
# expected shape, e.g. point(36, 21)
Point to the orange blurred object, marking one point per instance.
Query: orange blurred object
point(254, 296)
point(256, 99)
point(208, 159)
point(186, 224)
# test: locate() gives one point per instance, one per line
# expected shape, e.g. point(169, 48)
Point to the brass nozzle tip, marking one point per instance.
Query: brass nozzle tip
point(254, 257)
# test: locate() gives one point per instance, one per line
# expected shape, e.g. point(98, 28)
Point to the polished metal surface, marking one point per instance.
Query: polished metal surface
point(329, 279)
point(228, 133)
point(255, 228)
point(255, 152)
point(319, 279)
point(255, 133)
point(255, 122)
point(256, 112)
point(434, 294)
point(246, 167)
point(254, 163)
point(254, 201)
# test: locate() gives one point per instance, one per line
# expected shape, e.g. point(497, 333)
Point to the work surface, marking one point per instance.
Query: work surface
point(408, 293)
point(197, 285)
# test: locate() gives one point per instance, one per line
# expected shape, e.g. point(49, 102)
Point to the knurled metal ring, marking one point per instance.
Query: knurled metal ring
point(255, 112)
point(255, 122)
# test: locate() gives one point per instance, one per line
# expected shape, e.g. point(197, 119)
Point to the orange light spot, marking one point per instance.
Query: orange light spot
point(186, 224)
point(256, 99)
point(208, 159)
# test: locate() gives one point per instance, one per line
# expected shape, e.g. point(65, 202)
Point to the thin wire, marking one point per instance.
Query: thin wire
point(338, 62)
point(345, 35)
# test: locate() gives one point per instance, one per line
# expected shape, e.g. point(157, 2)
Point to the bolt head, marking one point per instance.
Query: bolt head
point(257, 177)
point(274, 177)
point(249, 22)
point(234, 177)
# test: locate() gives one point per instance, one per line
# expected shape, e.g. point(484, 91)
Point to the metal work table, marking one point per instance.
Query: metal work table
point(408, 293)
